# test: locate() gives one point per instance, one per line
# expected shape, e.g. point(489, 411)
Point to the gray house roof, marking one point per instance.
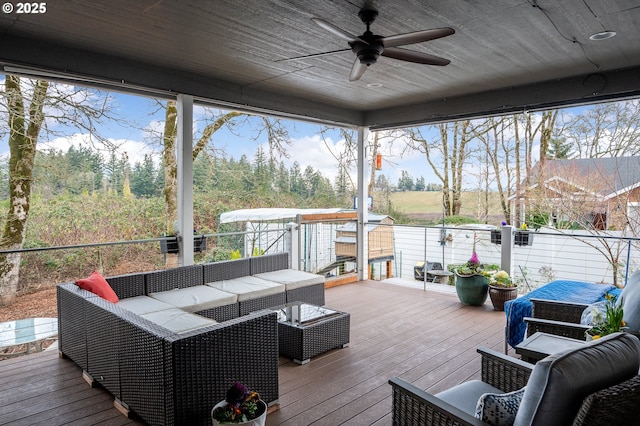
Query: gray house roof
point(605, 177)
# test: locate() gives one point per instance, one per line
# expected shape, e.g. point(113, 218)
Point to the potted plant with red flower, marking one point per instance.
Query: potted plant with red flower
point(241, 406)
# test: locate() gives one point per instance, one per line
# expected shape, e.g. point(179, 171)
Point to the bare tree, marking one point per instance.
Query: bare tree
point(580, 198)
point(605, 130)
point(277, 136)
point(447, 154)
point(31, 107)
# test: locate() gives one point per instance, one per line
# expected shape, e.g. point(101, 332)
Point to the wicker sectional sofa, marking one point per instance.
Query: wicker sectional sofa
point(170, 363)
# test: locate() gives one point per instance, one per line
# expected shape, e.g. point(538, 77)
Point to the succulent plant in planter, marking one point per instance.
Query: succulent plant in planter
point(501, 289)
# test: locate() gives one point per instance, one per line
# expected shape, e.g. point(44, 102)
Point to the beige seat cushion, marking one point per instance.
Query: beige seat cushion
point(143, 304)
point(292, 278)
point(177, 320)
point(196, 298)
point(248, 287)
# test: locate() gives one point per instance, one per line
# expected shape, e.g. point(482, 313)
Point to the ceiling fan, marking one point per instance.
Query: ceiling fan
point(368, 47)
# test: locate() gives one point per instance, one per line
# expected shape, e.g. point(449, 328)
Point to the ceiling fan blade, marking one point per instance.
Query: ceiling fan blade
point(313, 55)
point(357, 70)
point(336, 30)
point(416, 37)
point(417, 57)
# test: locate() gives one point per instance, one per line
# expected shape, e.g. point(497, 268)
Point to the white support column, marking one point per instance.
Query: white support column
point(506, 249)
point(291, 244)
point(185, 179)
point(362, 238)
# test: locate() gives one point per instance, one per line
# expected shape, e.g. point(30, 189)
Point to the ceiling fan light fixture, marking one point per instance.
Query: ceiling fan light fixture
point(602, 35)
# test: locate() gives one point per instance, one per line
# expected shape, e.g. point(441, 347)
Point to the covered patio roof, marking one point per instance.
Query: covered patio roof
point(506, 55)
point(268, 58)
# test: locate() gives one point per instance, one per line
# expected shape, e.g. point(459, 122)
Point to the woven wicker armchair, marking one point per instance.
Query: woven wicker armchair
point(558, 390)
point(563, 318)
point(557, 317)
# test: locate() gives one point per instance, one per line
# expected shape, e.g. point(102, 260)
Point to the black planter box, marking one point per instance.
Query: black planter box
point(171, 245)
point(496, 236)
point(523, 238)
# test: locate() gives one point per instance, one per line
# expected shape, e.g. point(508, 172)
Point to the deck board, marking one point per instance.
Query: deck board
point(428, 338)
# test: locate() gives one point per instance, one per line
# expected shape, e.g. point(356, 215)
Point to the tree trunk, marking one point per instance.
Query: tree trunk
point(372, 175)
point(169, 156)
point(170, 167)
point(23, 138)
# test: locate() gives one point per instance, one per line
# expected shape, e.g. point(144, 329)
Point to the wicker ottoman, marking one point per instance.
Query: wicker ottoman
point(306, 330)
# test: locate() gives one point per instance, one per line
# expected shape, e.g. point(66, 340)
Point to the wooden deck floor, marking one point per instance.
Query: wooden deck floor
point(426, 337)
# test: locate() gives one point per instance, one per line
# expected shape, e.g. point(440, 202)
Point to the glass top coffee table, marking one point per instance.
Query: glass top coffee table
point(540, 345)
point(306, 330)
point(29, 332)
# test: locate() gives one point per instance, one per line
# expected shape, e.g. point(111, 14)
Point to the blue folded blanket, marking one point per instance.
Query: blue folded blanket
point(567, 291)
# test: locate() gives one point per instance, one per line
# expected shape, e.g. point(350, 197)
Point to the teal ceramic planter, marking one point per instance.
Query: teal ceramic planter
point(472, 289)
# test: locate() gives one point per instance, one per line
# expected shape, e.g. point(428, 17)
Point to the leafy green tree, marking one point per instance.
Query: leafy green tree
point(420, 185)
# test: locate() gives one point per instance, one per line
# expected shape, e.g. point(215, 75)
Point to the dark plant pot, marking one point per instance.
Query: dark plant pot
point(199, 244)
point(472, 289)
point(499, 295)
point(523, 238)
point(496, 236)
point(171, 245)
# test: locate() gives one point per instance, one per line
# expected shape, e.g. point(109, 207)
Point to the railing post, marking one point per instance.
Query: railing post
point(295, 243)
point(506, 249)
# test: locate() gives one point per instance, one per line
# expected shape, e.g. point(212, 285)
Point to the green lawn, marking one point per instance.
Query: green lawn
point(421, 202)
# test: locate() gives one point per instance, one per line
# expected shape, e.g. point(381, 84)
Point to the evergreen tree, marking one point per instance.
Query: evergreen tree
point(405, 183)
point(420, 185)
point(283, 184)
point(382, 183)
point(143, 179)
point(296, 181)
point(342, 184)
point(559, 149)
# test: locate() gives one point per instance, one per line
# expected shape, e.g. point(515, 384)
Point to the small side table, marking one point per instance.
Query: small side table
point(540, 345)
point(439, 275)
point(306, 330)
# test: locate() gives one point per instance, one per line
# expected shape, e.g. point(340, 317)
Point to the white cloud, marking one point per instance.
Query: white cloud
point(135, 150)
point(315, 152)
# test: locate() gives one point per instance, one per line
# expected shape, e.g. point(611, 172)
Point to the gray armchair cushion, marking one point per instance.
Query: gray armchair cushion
point(465, 396)
point(630, 299)
point(560, 382)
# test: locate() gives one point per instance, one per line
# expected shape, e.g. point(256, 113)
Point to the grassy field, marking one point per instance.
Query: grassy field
point(429, 204)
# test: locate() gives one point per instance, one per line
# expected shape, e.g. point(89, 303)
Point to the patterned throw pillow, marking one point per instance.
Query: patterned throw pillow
point(499, 409)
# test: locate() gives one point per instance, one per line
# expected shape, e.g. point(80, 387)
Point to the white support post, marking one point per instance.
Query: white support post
point(506, 249)
point(185, 179)
point(362, 237)
point(291, 244)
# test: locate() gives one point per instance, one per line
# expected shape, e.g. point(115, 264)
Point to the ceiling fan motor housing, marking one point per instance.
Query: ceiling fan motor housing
point(367, 53)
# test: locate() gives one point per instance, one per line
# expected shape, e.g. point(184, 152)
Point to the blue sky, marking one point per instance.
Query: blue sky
point(307, 146)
